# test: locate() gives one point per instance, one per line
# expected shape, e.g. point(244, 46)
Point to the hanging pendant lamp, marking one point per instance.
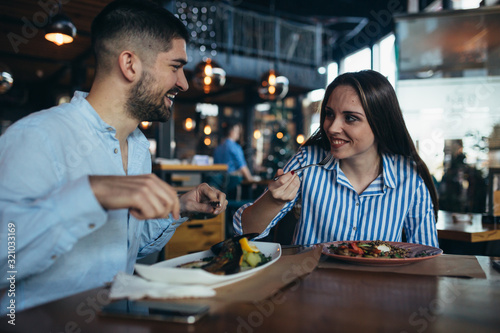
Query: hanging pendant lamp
point(6, 79)
point(272, 86)
point(60, 30)
point(209, 76)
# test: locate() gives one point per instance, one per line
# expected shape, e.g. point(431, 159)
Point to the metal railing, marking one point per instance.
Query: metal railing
point(219, 27)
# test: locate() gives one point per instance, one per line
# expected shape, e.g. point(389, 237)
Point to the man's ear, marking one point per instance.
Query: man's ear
point(130, 65)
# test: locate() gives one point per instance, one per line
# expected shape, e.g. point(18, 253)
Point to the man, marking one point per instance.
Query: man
point(76, 190)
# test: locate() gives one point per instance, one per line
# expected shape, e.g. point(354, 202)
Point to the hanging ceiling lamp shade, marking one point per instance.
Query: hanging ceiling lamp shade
point(60, 30)
point(272, 86)
point(209, 76)
point(6, 79)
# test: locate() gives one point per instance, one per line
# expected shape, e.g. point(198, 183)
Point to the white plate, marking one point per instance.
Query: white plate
point(168, 272)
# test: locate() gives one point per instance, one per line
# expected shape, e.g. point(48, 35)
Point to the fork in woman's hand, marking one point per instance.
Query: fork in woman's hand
point(327, 159)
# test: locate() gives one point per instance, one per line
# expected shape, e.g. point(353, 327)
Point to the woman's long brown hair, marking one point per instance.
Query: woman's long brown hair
point(384, 115)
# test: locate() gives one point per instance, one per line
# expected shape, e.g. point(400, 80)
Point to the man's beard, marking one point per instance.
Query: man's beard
point(145, 104)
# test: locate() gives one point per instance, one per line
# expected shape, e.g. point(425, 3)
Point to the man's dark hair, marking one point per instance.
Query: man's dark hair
point(138, 25)
point(228, 126)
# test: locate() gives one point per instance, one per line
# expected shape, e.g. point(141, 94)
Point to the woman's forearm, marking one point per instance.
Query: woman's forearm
point(257, 217)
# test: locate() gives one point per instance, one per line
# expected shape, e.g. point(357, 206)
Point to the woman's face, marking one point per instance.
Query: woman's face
point(346, 126)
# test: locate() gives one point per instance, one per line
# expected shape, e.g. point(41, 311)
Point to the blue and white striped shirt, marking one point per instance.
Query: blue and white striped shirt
point(332, 210)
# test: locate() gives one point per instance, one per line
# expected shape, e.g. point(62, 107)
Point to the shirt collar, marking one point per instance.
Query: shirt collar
point(80, 100)
point(388, 169)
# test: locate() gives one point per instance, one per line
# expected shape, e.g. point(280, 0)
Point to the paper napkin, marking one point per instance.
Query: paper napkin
point(134, 287)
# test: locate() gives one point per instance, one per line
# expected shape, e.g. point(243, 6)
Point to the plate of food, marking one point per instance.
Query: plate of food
point(380, 253)
point(237, 259)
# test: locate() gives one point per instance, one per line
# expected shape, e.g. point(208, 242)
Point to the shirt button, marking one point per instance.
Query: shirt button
point(357, 203)
point(116, 150)
point(109, 128)
point(353, 228)
point(91, 226)
point(53, 257)
point(174, 223)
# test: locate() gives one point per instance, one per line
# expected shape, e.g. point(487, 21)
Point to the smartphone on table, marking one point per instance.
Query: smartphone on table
point(159, 311)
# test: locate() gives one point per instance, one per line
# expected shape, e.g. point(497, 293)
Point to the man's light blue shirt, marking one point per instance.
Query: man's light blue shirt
point(65, 242)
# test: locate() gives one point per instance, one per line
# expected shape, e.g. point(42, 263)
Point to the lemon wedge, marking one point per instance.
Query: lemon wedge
point(248, 246)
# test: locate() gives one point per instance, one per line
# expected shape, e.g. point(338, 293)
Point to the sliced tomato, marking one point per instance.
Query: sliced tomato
point(356, 248)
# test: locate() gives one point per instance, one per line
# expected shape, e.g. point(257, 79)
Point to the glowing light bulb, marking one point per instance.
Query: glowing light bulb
point(257, 134)
point(188, 124)
point(208, 70)
point(59, 39)
point(279, 135)
point(272, 79)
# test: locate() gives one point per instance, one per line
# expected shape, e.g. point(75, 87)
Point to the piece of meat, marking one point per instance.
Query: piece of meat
point(228, 259)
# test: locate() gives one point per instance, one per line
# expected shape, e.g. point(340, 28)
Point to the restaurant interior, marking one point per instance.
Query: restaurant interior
point(444, 51)
point(265, 65)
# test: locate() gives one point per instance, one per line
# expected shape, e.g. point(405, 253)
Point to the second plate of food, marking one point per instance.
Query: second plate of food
point(409, 252)
point(168, 271)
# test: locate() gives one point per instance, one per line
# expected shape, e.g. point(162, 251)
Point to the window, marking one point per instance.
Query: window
point(332, 72)
point(387, 58)
point(357, 61)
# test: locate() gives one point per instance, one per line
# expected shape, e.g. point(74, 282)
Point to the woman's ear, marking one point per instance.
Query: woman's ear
point(130, 65)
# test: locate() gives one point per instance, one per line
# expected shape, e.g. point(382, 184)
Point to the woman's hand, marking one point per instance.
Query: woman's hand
point(285, 188)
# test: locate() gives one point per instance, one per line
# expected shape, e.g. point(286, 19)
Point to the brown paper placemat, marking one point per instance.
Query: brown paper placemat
point(444, 265)
point(264, 284)
point(270, 280)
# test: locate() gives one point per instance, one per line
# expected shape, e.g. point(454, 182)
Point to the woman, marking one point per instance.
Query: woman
point(375, 186)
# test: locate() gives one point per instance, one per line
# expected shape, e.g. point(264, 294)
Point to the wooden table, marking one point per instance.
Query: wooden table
point(466, 228)
point(190, 167)
point(327, 300)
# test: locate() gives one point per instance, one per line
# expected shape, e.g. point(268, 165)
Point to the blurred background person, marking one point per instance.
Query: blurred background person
point(230, 152)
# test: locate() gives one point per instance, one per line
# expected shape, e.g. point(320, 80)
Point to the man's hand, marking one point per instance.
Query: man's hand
point(203, 199)
point(146, 196)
